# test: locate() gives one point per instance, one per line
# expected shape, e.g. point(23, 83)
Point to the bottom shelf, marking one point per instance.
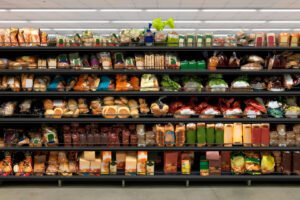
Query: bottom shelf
point(227, 178)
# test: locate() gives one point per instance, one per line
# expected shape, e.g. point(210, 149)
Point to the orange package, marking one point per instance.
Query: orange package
point(135, 82)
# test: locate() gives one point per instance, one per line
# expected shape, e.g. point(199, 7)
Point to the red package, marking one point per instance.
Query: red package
point(170, 162)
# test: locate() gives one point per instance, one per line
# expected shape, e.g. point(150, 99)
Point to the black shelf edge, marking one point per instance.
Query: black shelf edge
point(147, 71)
point(142, 93)
point(229, 178)
point(130, 148)
point(32, 120)
point(141, 48)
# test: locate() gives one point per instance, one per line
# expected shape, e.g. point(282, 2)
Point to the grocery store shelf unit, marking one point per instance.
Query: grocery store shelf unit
point(146, 71)
point(33, 120)
point(142, 93)
point(141, 48)
point(135, 148)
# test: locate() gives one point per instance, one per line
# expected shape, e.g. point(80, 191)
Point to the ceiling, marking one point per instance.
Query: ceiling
point(196, 20)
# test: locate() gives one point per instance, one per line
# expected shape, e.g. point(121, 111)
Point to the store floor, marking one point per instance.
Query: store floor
point(148, 192)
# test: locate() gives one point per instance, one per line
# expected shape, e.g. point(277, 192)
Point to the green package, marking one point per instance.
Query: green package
point(201, 135)
point(190, 40)
point(192, 64)
point(184, 64)
point(201, 64)
point(191, 134)
point(181, 41)
point(199, 41)
point(219, 133)
point(173, 39)
point(210, 134)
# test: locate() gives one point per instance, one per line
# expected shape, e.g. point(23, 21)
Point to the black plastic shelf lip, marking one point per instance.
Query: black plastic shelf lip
point(147, 71)
point(125, 148)
point(18, 120)
point(143, 48)
point(154, 178)
point(142, 93)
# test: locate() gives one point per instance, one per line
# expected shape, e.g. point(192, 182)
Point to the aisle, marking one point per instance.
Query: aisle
point(232, 192)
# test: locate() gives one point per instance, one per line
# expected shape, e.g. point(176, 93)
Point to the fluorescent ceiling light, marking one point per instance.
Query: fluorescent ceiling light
point(68, 22)
point(121, 10)
point(83, 29)
point(13, 22)
point(45, 29)
point(284, 22)
point(3, 10)
point(130, 22)
point(235, 22)
point(172, 10)
point(279, 10)
point(228, 10)
point(270, 29)
point(53, 10)
point(223, 29)
point(188, 22)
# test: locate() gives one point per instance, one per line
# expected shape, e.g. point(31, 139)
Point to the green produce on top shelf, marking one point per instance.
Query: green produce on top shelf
point(159, 25)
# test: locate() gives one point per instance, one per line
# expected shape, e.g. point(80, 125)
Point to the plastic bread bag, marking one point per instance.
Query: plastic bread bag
point(57, 84)
point(14, 36)
point(40, 83)
point(63, 61)
point(106, 83)
point(105, 59)
point(27, 82)
point(94, 62)
point(35, 37)
point(85, 62)
point(119, 60)
point(130, 63)
point(190, 40)
point(2, 37)
point(49, 136)
point(7, 42)
point(60, 41)
point(3, 63)
point(21, 38)
point(139, 61)
point(267, 163)
point(44, 38)
point(75, 61)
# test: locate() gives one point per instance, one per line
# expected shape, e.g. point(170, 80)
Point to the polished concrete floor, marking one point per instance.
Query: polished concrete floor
point(142, 191)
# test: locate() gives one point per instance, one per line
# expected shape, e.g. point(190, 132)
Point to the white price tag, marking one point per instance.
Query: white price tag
point(28, 83)
point(57, 103)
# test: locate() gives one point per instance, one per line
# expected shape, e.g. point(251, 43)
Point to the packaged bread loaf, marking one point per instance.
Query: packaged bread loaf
point(27, 82)
point(180, 135)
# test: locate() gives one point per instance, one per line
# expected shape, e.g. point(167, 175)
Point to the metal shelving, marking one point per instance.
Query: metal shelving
point(148, 120)
point(141, 48)
point(147, 71)
point(135, 148)
point(24, 120)
point(142, 93)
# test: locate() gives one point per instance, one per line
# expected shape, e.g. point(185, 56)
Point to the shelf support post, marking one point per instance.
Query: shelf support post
point(249, 182)
point(59, 183)
point(123, 183)
point(187, 183)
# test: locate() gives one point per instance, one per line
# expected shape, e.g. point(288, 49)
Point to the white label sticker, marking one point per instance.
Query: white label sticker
point(57, 103)
point(28, 83)
point(11, 81)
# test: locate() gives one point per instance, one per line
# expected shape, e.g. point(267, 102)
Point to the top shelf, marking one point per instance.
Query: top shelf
point(142, 48)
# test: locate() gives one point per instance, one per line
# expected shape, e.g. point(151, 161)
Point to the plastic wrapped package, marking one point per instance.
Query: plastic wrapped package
point(210, 134)
point(169, 135)
point(49, 136)
point(125, 137)
point(179, 135)
point(150, 138)
point(237, 163)
point(294, 40)
point(172, 39)
point(284, 39)
point(159, 135)
point(75, 61)
point(133, 139)
point(252, 163)
point(191, 134)
point(140, 131)
point(39, 164)
point(267, 163)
